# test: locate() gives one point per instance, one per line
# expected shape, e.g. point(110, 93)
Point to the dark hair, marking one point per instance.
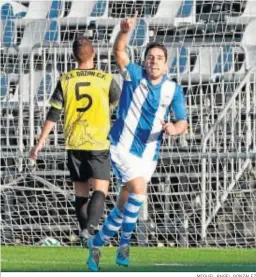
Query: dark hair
point(155, 45)
point(82, 48)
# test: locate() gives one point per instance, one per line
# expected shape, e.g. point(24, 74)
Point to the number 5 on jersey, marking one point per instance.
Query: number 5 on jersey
point(80, 96)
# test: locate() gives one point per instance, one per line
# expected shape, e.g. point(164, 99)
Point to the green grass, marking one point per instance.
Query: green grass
point(16, 258)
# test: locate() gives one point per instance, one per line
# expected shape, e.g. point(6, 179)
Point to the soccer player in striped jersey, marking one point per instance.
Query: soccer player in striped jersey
point(147, 98)
point(85, 94)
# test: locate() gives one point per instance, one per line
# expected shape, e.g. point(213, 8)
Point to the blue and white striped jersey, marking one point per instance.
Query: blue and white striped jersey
point(142, 107)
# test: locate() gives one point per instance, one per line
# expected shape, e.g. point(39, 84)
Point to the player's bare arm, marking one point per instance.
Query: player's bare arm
point(126, 26)
point(48, 126)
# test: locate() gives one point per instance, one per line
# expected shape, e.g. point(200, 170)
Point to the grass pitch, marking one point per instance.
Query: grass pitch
point(17, 258)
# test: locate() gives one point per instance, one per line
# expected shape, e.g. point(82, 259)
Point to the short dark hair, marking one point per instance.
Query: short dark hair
point(156, 45)
point(82, 48)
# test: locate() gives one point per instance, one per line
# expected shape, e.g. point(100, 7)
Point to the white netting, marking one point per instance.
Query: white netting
point(204, 190)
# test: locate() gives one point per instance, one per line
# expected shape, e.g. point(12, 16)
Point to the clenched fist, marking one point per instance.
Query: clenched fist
point(127, 24)
point(169, 128)
point(35, 150)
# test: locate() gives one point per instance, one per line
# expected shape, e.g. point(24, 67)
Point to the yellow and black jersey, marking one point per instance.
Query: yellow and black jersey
point(86, 96)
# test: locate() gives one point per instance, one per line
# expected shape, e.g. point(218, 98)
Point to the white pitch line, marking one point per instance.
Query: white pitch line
point(163, 264)
point(173, 264)
point(40, 262)
point(217, 264)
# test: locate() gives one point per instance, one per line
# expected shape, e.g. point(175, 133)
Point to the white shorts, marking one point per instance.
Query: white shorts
point(127, 166)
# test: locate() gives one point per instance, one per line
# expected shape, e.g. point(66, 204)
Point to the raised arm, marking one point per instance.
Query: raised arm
point(126, 26)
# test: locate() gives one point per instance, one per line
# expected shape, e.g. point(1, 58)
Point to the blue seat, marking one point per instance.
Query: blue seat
point(186, 8)
point(55, 9)
point(186, 14)
point(44, 89)
point(225, 60)
point(99, 8)
point(139, 36)
point(7, 16)
point(183, 58)
point(3, 86)
point(83, 12)
point(18, 9)
point(52, 35)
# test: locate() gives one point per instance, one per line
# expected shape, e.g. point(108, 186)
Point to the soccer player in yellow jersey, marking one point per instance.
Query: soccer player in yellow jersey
point(85, 94)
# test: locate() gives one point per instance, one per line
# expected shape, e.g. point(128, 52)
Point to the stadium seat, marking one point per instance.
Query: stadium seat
point(166, 13)
point(8, 32)
point(202, 72)
point(245, 16)
point(4, 86)
point(18, 9)
point(57, 9)
point(100, 10)
point(39, 32)
point(178, 60)
point(197, 65)
point(42, 86)
point(109, 16)
point(224, 62)
point(42, 10)
point(79, 13)
point(180, 63)
point(53, 33)
point(212, 11)
point(45, 89)
point(138, 38)
point(186, 14)
point(236, 62)
point(249, 38)
point(83, 12)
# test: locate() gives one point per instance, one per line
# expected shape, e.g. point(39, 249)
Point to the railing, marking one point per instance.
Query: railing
point(249, 131)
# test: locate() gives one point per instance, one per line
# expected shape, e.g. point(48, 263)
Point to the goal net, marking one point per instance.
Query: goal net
point(203, 192)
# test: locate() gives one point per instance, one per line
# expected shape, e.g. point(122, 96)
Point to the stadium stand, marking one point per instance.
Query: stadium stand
point(204, 191)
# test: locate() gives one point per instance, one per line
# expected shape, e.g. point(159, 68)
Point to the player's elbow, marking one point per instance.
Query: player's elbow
point(117, 54)
point(120, 57)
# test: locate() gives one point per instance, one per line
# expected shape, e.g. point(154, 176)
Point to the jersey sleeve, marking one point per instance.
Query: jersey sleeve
point(178, 105)
point(53, 114)
point(132, 72)
point(57, 99)
point(114, 92)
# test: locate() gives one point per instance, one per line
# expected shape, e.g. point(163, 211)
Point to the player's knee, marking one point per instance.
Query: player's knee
point(101, 185)
point(82, 189)
point(137, 186)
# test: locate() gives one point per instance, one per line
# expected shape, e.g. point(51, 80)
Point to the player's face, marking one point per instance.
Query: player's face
point(155, 63)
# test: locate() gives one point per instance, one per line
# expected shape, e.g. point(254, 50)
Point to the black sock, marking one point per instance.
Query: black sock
point(95, 210)
point(80, 213)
